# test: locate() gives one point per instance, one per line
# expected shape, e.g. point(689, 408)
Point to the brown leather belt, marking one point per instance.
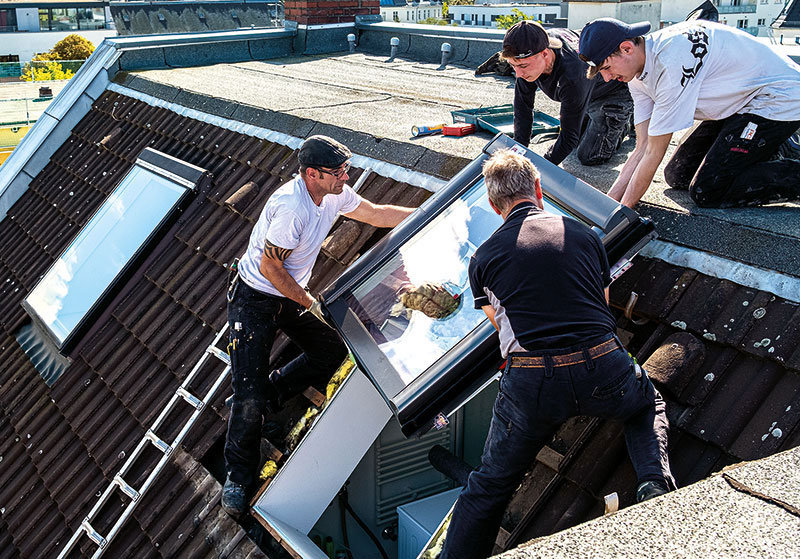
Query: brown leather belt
point(574, 358)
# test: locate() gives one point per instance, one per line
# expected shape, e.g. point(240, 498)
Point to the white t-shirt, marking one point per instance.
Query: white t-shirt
point(290, 219)
point(708, 71)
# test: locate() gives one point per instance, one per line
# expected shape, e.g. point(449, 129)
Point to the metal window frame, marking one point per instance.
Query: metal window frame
point(185, 175)
point(460, 373)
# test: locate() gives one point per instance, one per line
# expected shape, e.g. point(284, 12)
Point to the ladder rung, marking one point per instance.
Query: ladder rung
point(219, 354)
point(126, 488)
point(189, 397)
point(158, 443)
point(93, 534)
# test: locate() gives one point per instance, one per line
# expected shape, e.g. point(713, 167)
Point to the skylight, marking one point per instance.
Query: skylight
point(77, 284)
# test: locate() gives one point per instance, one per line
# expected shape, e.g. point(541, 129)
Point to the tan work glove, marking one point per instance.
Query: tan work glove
point(431, 299)
point(316, 310)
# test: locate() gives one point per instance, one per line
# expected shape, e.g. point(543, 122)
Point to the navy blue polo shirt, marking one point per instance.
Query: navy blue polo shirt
point(545, 276)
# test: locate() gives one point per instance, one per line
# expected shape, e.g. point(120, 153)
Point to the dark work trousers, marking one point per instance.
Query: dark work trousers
point(254, 318)
point(607, 124)
point(724, 165)
point(532, 404)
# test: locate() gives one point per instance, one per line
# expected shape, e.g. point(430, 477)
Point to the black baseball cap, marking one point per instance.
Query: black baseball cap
point(527, 38)
point(603, 36)
point(322, 151)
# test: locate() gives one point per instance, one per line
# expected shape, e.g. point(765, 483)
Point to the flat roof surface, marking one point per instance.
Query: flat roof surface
point(747, 511)
point(366, 94)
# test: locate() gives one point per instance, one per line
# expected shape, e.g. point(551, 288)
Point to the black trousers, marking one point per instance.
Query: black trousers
point(254, 318)
point(727, 163)
point(606, 125)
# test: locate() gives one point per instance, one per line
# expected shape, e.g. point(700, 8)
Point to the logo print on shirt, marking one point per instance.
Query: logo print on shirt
point(699, 40)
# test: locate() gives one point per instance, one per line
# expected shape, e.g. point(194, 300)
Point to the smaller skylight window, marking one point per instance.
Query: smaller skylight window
point(75, 287)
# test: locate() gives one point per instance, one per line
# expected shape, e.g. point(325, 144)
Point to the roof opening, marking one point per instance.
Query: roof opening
point(42, 352)
point(75, 287)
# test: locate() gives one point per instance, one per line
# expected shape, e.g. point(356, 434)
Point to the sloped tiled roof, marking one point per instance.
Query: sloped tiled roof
point(59, 446)
point(737, 398)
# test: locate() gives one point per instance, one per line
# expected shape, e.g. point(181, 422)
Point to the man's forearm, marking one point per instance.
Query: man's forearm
point(391, 216)
point(620, 185)
point(646, 169)
point(285, 283)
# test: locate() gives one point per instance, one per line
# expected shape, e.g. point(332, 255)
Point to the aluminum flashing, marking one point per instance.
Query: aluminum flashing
point(395, 172)
point(782, 285)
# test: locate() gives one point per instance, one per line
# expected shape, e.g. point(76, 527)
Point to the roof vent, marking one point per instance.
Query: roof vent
point(394, 43)
point(351, 40)
point(446, 50)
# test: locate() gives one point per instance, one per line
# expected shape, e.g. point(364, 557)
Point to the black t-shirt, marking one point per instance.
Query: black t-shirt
point(568, 84)
point(545, 276)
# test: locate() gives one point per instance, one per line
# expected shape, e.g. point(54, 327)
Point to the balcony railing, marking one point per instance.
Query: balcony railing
point(744, 9)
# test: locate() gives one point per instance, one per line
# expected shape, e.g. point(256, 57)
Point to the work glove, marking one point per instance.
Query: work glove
point(316, 310)
point(432, 299)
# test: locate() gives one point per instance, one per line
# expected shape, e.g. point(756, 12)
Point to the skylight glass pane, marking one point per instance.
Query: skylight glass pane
point(102, 249)
point(413, 341)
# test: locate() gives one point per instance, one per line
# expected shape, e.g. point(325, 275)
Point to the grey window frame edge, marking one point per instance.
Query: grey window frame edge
point(188, 176)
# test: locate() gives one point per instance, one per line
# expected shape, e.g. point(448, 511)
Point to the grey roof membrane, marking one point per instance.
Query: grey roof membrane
point(365, 100)
point(710, 518)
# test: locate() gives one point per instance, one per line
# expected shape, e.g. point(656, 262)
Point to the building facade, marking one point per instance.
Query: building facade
point(30, 28)
point(485, 15)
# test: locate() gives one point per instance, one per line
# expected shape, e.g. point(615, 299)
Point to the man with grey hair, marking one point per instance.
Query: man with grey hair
point(541, 280)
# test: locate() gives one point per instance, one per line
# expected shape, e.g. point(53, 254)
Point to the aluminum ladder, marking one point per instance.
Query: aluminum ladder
point(150, 437)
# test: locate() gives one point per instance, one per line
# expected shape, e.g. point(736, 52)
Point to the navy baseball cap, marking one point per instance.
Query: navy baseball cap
point(603, 36)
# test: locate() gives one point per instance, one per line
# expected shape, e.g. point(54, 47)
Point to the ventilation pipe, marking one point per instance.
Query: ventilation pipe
point(446, 50)
point(394, 42)
point(351, 40)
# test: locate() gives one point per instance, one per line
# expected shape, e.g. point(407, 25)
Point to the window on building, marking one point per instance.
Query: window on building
point(736, 2)
point(69, 19)
point(741, 23)
point(89, 272)
point(8, 21)
point(762, 21)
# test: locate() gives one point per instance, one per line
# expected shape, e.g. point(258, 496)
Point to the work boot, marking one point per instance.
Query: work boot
point(649, 489)
point(234, 500)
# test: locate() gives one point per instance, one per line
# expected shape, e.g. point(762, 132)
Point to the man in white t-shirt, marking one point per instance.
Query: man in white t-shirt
point(746, 96)
point(269, 294)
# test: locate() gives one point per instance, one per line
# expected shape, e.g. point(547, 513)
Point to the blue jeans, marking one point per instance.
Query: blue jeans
point(532, 404)
point(254, 318)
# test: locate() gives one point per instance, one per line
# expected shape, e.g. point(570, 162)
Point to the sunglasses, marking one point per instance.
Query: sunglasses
point(339, 172)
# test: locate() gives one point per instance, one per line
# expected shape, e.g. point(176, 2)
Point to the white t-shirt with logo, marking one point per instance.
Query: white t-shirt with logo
point(290, 219)
point(708, 71)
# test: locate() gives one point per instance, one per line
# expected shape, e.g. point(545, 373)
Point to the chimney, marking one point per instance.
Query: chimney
point(316, 12)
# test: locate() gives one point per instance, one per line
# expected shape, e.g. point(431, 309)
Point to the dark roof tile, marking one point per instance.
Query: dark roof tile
point(776, 418)
point(775, 333)
point(743, 387)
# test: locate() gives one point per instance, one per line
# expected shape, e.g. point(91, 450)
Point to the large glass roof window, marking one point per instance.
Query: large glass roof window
point(76, 284)
point(424, 367)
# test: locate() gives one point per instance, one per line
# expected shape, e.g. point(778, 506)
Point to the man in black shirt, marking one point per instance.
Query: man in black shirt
point(541, 279)
point(594, 113)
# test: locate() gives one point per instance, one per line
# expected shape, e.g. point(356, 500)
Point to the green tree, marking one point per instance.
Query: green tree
point(50, 65)
point(507, 21)
point(43, 70)
point(434, 21)
point(72, 47)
